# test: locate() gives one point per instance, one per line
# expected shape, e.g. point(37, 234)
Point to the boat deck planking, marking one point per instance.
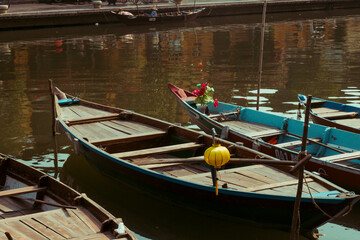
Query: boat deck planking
point(330, 113)
point(353, 122)
point(54, 224)
point(34, 205)
point(248, 127)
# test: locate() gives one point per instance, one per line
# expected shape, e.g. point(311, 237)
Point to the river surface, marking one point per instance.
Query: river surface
point(314, 54)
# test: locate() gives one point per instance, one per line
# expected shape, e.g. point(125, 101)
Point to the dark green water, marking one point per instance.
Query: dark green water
point(317, 54)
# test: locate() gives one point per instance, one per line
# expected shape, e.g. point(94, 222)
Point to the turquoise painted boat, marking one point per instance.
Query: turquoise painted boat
point(167, 161)
point(335, 153)
point(333, 114)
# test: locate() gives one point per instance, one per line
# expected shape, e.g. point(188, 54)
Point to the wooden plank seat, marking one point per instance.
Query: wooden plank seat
point(23, 190)
point(158, 150)
point(353, 122)
point(337, 115)
point(105, 117)
point(321, 110)
point(267, 133)
point(342, 157)
point(296, 143)
point(129, 138)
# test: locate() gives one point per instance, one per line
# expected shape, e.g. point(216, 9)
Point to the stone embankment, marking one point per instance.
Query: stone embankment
point(32, 14)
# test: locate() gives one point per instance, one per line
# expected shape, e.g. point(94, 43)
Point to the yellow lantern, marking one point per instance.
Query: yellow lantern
point(216, 156)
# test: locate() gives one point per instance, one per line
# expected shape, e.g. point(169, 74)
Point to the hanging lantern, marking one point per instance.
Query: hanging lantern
point(216, 156)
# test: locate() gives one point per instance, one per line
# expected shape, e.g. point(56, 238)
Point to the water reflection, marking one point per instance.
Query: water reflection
point(308, 53)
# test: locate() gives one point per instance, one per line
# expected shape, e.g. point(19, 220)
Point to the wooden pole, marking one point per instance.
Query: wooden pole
point(295, 224)
point(52, 96)
point(261, 54)
point(51, 87)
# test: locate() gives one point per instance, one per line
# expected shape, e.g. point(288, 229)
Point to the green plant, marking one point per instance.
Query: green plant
point(204, 94)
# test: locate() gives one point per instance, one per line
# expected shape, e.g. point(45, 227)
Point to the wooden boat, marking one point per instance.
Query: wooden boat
point(335, 153)
point(333, 114)
point(34, 205)
point(161, 18)
point(167, 161)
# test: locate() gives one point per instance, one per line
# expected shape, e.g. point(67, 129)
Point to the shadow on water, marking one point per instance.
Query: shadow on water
point(149, 217)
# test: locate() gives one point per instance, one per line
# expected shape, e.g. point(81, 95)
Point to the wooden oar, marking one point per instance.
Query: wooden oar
point(45, 202)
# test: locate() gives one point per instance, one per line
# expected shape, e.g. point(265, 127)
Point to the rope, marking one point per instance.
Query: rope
point(313, 200)
point(299, 112)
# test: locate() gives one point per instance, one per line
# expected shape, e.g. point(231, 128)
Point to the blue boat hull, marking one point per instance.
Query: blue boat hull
point(343, 175)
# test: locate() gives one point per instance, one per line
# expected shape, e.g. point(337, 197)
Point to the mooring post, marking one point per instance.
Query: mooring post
point(295, 224)
point(52, 96)
point(261, 54)
point(51, 87)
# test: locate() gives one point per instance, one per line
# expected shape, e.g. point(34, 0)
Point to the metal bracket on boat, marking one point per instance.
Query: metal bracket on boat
point(285, 123)
point(256, 144)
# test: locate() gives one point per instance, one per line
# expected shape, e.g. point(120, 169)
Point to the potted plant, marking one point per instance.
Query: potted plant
point(204, 96)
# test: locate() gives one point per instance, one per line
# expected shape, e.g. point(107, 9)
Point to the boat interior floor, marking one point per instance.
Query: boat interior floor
point(52, 224)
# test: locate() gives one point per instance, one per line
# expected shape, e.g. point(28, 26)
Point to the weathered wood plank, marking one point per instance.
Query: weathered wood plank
point(337, 115)
point(25, 229)
point(267, 133)
point(15, 233)
point(342, 157)
point(276, 185)
point(240, 180)
point(99, 118)
point(17, 191)
point(129, 138)
point(86, 218)
point(158, 150)
point(296, 143)
point(274, 174)
point(37, 226)
point(260, 177)
point(222, 172)
point(130, 127)
point(353, 122)
point(321, 110)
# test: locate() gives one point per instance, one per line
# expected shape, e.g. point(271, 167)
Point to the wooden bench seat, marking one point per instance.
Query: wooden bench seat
point(322, 110)
point(342, 157)
point(352, 122)
point(23, 190)
point(129, 138)
point(267, 133)
point(158, 150)
point(106, 117)
point(296, 143)
point(338, 115)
